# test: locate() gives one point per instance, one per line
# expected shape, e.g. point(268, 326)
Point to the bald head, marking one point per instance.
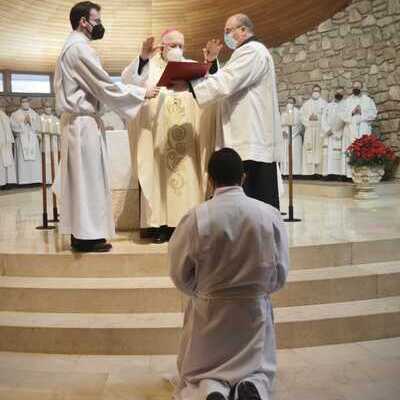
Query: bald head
point(244, 21)
point(172, 36)
point(239, 27)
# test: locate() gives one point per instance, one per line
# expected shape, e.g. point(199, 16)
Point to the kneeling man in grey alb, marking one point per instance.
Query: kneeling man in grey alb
point(228, 255)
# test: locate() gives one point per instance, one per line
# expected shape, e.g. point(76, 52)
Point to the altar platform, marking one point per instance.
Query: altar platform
point(107, 326)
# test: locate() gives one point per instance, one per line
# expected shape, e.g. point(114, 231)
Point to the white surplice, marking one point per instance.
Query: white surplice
point(173, 140)
point(297, 143)
point(246, 90)
point(313, 134)
point(356, 125)
point(333, 155)
point(7, 162)
point(228, 255)
point(27, 147)
point(82, 87)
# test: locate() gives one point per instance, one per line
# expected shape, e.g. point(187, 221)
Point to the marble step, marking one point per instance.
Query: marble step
point(153, 261)
point(158, 294)
point(339, 189)
point(158, 333)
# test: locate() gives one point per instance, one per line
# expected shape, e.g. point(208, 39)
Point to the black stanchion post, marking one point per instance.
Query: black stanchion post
point(45, 223)
point(53, 176)
point(291, 213)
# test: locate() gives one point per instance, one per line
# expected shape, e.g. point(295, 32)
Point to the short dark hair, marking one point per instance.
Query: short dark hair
point(292, 98)
point(226, 167)
point(24, 98)
point(80, 10)
point(317, 86)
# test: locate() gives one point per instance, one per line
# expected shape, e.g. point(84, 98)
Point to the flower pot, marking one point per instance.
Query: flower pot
point(366, 179)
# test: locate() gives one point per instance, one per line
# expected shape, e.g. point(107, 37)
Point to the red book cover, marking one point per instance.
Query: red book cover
point(183, 71)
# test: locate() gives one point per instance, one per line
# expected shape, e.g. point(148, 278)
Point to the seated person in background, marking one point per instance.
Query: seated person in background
point(228, 255)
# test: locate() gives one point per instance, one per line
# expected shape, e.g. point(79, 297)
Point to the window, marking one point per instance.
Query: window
point(30, 83)
point(1, 82)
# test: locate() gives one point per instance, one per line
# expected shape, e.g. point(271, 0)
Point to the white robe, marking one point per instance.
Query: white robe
point(333, 155)
point(7, 162)
point(313, 134)
point(112, 120)
point(228, 255)
point(356, 125)
point(249, 112)
point(173, 140)
point(297, 143)
point(82, 87)
point(49, 124)
point(27, 147)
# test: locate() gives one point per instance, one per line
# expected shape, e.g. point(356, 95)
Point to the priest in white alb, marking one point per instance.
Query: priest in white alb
point(311, 117)
point(297, 139)
point(249, 119)
point(358, 114)
point(25, 123)
point(228, 255)
point(7, 162)
point(82, 88)
point(173, 137)
point(333, 153)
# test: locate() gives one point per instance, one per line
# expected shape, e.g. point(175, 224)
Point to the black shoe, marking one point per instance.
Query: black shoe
point(161, 235)
point(92, 248)
point(248, 391)
point(216, 396)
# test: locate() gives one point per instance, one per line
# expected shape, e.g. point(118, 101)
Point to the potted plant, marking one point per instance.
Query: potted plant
point(368, 157)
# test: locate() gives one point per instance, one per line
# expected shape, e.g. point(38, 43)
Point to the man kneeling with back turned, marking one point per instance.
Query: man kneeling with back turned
point(228, 254)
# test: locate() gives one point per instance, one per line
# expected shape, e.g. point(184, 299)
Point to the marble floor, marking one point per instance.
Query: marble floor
point(356, 371)
point(324, 221)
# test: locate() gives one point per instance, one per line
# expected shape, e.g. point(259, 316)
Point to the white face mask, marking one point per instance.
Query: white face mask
point(175, 54)
point(316, 95)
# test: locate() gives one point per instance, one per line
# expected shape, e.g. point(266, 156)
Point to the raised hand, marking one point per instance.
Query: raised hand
point(148, 48)
point(152, 92)
point(212, 50)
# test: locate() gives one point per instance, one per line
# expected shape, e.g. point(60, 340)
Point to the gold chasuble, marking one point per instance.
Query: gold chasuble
point(174, 139)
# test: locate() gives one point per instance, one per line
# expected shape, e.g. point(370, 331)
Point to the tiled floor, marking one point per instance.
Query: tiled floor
point(324, 221)
point(356, 371)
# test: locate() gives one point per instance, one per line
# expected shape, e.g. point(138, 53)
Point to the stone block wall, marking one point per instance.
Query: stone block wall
point(362, 42)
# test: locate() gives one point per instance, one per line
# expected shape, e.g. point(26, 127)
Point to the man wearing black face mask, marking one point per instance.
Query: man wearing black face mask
point(332, 148)
point(82, 89)
point(359, 112)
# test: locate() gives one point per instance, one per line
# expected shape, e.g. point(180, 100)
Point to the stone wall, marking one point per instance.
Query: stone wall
point(362, 42)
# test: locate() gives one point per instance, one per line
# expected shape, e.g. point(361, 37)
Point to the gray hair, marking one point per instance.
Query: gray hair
point(244, 20)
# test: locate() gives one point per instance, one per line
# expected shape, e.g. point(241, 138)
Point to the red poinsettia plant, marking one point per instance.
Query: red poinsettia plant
point(370, 151)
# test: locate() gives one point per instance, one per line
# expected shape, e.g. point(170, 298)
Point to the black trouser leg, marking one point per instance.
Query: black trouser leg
point(261, 182)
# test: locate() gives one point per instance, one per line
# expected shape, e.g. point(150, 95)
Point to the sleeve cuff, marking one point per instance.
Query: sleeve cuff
point(142, 64)
point(214, 67)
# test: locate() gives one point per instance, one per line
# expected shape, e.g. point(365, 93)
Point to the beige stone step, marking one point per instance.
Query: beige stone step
point(158, 333)
point(158, 294)
point(152, 260)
